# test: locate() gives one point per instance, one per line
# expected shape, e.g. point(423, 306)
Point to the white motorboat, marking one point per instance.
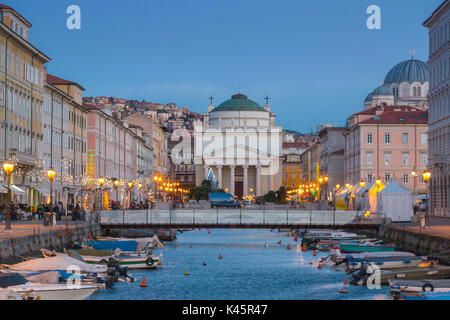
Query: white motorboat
point(14, 282)
point(441, 285)
point(59, 261)
point(55, 291)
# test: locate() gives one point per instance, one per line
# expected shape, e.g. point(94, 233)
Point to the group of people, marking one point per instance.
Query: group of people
point(19, 211)
point(135, 205)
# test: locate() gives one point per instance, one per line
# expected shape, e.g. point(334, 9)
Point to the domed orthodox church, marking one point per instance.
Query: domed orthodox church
point(239, 142)
point(405, 84)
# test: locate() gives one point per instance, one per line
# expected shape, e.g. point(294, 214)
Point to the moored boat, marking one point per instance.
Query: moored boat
point(398, 261)
point(358, 248)
point(442, 285)
point(20, 285)
point(132, 261)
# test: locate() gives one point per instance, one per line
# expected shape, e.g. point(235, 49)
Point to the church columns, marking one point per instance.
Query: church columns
point(232, 179)
point(245, 180)
point(258, 180)
point(219, 177)
point(270, 180)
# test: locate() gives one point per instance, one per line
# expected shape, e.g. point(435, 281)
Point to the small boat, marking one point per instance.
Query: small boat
point(132, 261)
point(358, 248)
point(20, 285)
point(426, 296)
point(143, 243)
point(419, 285)
point(429, 273)
point(397, 261)
point(59, 261)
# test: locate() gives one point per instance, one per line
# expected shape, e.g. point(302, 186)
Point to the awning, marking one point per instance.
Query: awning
point(16, 189)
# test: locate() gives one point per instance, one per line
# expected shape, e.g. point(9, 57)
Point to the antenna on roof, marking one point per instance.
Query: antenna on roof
point(412, 51)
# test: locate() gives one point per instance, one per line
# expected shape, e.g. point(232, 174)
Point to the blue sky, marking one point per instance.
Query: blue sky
point(315, 59)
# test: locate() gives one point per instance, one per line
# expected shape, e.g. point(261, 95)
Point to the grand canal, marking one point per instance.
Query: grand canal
point(248, 270)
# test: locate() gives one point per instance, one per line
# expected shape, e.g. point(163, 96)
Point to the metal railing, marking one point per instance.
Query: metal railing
point(237, 217)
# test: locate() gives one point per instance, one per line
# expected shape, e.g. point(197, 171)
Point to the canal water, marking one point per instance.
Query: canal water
point(247, 270)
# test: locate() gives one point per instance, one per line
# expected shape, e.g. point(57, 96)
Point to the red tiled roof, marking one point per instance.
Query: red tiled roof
point(399, 117)
point(297, 144)
point(373, 110)
point(5, 7)
point(338, 152)
point(56, 80)
point(91, 106)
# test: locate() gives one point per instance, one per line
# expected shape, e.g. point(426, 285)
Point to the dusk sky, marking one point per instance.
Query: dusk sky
point(317, 60)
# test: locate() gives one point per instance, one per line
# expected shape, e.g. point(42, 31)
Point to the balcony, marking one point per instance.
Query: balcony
point(23, 157)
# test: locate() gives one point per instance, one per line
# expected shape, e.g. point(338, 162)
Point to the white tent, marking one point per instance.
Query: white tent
point(396, 202)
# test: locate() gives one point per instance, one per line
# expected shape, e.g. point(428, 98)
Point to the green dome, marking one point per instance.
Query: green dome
point(239, 102)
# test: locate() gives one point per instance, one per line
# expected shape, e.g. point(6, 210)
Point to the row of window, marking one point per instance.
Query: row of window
point(22, 70)
point(387, 159)
point(388, 138)
point(388, 177)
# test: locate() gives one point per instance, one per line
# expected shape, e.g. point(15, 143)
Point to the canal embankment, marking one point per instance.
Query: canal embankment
point(433, 241)
point(26, 240)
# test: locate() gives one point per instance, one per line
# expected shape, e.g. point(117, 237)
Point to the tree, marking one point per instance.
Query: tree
point(201, 192)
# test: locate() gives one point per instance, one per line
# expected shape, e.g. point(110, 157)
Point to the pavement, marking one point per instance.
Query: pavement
point(438, 227)
point(28, 228)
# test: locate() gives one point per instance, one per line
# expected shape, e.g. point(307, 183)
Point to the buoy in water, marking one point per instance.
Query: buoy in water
point(220, 256)
point(209, 231)
point(292, 233)
point(310, 261)
point(304, 248)
point(191, 245)
point(287, 234)
point(314, 253)
point(319, 266)
point(279, 242)
point(296, 238)
point(159, 262)
point(288, 247)
point(345, 281)
point(343, 290)
point(186, 273)
point(143, 283)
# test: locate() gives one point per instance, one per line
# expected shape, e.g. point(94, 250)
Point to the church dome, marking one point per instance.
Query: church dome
point(383, 91)
point(408, 71)
point(369, 97)
point(239, 102)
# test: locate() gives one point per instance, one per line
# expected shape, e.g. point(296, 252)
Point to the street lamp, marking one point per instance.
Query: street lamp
point(426, 175)
point(101, 181)
point(116, 187)
point(378, 182)
point(362, 183)
point(140, 188)
point(51, 175)
point(8, 167)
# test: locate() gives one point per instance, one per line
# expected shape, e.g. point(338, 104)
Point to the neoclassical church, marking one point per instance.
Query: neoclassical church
point(239, 142)
point(406, 84)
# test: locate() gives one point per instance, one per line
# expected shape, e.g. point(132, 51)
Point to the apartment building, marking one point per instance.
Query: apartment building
point(439, 100)
point(22, 77)
point(387, 142)
point(64, 146)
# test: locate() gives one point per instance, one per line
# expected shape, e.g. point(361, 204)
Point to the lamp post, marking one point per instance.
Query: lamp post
point(8, 167)
point(414, 174)
point(51, 175)
point(378, 182)
point(140, 188)
point(426, 175)
point(130, 185)
point(116, 187)
point(101, 181)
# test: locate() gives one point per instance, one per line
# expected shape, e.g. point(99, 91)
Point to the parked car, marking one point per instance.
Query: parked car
point(224, 200)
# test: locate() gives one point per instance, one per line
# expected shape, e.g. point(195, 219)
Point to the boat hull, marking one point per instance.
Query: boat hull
point(53, 292)
point(355, 248)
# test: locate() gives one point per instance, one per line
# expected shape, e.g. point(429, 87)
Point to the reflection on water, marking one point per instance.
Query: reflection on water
point(248, 270)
